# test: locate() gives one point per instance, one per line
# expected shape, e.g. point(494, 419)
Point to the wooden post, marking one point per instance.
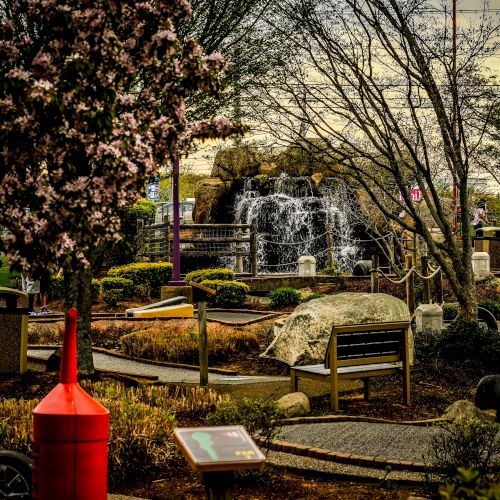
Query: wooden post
point(253, 249)
point(426, 282)
point(140, 236)
point(203, 342)
point(218, 485)
point(239, 248)
point(329, 244)
point(410, 284)
point(374, 275)
point(438, 286)
point(391, 252)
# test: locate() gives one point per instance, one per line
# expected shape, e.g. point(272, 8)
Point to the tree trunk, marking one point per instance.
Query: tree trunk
point(78, 288)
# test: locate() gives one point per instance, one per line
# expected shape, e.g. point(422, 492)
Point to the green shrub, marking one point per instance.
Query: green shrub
point(124, 284)
point(312, 296)
point(210, 274)
point(112, 296)
point(470, 345)
point(153, 274)
point(331, 270)
point(468, 485)
point(177, 341)
point(464, 443)
point(284, 296)
point(57, 288)
point(229, 293)
point(450, 311)
point(259, 417)
point(492, 306)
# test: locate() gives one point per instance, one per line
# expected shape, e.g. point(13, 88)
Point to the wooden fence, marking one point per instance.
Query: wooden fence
point(155, 242)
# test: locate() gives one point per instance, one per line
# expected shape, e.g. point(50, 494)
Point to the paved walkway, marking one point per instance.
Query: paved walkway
point(165, 374)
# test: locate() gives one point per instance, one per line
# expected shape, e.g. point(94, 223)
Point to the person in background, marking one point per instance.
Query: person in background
point(31, 287)
point(44, 290)
point(480, 217)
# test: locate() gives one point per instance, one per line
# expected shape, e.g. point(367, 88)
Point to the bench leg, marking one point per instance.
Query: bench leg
point(366, 388)
point(334, 392)
point(294, 381)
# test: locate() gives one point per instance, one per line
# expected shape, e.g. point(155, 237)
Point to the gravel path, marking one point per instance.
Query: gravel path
point(389, 441)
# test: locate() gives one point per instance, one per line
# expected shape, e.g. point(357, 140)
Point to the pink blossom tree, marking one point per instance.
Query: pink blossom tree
point(91, 103)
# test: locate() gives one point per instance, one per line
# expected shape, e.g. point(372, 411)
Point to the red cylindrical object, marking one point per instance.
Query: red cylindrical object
point(70, 435)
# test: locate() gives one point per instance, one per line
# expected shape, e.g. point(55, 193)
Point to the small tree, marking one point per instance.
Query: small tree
point(91, 104)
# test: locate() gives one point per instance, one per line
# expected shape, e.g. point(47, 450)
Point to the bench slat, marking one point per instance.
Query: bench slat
point(368, 337)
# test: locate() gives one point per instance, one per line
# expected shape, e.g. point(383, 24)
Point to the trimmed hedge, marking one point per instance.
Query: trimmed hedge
point(284, 296)
point(492, 306)
point(210, 274)
point(229, 293)
point(153, 274)
point(57, 288)
point(117, 283)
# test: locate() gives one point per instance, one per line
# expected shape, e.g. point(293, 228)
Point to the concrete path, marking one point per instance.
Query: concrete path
point(165, 374)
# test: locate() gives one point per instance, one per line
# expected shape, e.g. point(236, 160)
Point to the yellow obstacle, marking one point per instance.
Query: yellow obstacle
point(176, 311)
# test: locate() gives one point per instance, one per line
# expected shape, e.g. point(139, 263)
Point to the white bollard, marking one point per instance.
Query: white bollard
point(480, 262)
point(429, 317)
point(307, 266)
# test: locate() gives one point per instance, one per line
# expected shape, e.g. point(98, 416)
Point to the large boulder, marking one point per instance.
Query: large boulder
point(303, 340)
point(236, 162)
point(208, 195)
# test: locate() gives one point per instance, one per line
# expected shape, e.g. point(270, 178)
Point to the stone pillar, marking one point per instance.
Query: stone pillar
point(480, 262)
point(307, 266)
point(429, 317)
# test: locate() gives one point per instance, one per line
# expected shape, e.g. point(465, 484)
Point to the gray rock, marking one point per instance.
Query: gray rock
point(464, 409)
point(295, 404)
point(488, 393)
point(304, 337)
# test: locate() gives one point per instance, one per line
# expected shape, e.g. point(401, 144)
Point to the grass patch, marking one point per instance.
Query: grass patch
point(6, 276)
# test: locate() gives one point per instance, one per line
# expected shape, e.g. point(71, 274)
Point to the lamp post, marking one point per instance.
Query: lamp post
point(176, 251)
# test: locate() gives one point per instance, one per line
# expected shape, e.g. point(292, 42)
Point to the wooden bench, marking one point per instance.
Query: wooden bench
point(361, 351)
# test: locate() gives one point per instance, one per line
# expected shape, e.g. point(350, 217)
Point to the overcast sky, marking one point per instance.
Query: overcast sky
point(201, 161)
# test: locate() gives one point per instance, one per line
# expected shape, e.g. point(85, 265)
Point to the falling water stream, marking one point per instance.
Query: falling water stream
point(292, 221)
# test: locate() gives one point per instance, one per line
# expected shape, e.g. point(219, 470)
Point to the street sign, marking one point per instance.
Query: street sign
point(154, 190)
point(416, 193)
point(225, 448)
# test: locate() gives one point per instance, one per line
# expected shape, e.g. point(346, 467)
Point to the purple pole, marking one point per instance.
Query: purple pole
point(176, 250)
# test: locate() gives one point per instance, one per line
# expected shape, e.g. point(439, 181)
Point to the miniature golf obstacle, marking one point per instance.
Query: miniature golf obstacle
point(169, 308)
point(70, 435)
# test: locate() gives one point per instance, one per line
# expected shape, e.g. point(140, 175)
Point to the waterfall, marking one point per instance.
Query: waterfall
point(291, 222)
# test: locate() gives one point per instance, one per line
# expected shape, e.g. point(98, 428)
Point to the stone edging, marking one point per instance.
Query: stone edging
point(346, 458)
point(220, 371)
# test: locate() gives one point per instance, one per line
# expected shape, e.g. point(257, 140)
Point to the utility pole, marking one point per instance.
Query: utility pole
point(454, 92)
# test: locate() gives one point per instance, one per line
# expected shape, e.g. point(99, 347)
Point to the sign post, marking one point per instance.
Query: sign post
point(200, 295)
point(217, 452)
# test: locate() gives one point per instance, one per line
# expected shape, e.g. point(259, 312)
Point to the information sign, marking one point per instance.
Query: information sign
point(224, 448)
point(154, 190)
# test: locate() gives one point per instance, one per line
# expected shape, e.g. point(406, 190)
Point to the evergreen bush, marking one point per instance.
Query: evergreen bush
point(450, 311)
point(210, 274)
point(57, 288)
point(228, 293)
point(117, 283)
point(470, 345)
point(464, 443)
point(153, 274)
point(492, 306)
point(284, 296)
point(259, 417)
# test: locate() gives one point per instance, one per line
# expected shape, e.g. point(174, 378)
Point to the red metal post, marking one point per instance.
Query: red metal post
point(70, 435)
